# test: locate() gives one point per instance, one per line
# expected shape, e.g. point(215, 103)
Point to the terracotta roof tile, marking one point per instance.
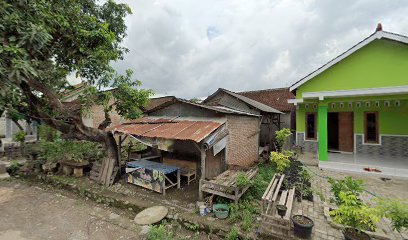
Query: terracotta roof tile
point(276, 98)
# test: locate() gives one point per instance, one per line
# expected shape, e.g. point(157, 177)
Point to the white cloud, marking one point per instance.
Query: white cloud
point(191, 48)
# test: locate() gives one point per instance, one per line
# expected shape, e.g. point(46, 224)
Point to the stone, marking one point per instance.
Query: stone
point(210, 219)
point(78, 172)
point(151, 215)
point(145, 230)
point(3, 168)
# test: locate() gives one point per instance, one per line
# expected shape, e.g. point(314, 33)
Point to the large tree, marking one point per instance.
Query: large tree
point(44, 41)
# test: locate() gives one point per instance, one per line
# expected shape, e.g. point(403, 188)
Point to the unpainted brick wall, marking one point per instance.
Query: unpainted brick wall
point(98, 116)
point(242, 148)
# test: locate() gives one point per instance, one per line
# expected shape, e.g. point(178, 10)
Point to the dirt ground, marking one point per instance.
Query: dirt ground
point(34, 213)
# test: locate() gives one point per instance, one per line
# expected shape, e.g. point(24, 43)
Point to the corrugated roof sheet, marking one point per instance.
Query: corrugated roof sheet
point(169, 128)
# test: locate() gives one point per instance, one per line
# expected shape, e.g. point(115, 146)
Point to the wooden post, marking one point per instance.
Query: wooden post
point(163, 184)
point(203, 156)
point(120, 150)
point(200, 193)
point(202, 177)
point(178, 178)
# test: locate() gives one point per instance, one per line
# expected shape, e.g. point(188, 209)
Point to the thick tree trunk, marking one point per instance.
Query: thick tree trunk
point(110, 160)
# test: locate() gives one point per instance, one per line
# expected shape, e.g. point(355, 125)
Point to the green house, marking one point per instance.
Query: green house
point(353, 111)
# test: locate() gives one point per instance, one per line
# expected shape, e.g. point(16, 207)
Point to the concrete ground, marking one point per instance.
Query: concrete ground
point(34, 213)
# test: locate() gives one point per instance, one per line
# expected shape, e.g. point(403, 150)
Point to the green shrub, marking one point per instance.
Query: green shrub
point(242, 180)
point(159, 233)
point(281, 160)
point(348, 184)
point(233, 234)
point(396, 211)
point(281, 138)
point(247, 220)
point(47, 133)
point(355, 214)
point(20, 136)
point(260, 182)
point(14, 167)
point(67, 150)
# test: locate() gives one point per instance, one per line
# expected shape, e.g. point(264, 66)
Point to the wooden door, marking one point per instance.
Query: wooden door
point(346, 132)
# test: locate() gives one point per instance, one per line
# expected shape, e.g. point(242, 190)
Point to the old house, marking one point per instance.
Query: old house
point(213, 137)
point(276, 98)
point(353, 111)
point(270, 117)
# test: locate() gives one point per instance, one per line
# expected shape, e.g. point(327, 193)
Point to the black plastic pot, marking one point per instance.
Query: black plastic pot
point(353, 234)
point(302, 230)
point(281, 210)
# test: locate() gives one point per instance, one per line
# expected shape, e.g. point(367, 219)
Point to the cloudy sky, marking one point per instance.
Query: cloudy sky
point(190, 48)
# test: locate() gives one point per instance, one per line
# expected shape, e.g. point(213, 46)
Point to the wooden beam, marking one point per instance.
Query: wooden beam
point(203, 156)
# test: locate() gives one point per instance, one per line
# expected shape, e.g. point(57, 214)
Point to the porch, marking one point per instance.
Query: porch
point(385, 166)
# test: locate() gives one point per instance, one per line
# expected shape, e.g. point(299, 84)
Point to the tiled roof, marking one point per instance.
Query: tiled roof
point(276, 98)
point(155, 102)
point(254, 103)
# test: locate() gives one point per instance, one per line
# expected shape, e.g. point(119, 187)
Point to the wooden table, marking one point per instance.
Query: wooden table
point(152, 175)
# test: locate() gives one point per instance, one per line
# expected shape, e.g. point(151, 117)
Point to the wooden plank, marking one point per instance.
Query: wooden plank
point(219, 193)
point(282, 199)
point(269, 196)
point(275, 196)
point(289, 203)
point(269, 187)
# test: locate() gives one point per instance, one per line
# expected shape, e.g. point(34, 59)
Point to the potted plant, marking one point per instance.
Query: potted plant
point(355, 216)
point(281, 210)
point(302, 225)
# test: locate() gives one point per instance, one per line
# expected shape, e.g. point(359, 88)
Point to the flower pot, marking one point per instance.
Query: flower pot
point(281, 210)
point(353, 234)
point(302, 226)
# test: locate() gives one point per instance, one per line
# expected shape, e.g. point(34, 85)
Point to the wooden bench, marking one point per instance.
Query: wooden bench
point(188, 168)
point(224, 185)
point(274, 194)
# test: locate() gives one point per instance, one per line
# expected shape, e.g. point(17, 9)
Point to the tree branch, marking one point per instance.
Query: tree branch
point(105, 122)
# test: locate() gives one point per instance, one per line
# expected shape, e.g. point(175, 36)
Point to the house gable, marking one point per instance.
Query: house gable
point(381, 63)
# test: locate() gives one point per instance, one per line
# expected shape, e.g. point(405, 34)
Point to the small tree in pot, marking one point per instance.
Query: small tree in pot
point(303, 225)
point(355, 216)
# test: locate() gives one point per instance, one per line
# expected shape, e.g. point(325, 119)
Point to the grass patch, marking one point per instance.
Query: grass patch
point(260, 182)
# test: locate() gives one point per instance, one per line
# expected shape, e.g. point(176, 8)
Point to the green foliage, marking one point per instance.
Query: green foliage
point(43, 43)
point(281, 160)
point(247, 220)
point(67, 150)
point(281, 138)
point(395, 210)
point(244, 212)
point(355, 214)
point(47, 133)
point(14, 167)
point(192, 226)
point(260, 182)
point(159, 233)
point(19, 136)
point(233, 234)
point(347, 184)
point(242, 180)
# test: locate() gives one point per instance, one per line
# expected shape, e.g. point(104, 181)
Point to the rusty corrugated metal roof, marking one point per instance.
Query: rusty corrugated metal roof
point(169, 128)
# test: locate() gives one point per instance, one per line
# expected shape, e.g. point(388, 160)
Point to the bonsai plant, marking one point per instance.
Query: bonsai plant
point(303, 225)
point(355, 216)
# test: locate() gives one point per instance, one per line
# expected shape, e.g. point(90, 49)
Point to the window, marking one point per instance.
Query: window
point(371, 132)
point(311, 126)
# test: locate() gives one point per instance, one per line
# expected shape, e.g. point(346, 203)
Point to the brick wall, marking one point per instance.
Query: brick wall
point(242, 147)
point(98, 116)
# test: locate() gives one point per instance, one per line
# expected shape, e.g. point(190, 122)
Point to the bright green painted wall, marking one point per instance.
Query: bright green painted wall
point(392, 120)
point(382, 63)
